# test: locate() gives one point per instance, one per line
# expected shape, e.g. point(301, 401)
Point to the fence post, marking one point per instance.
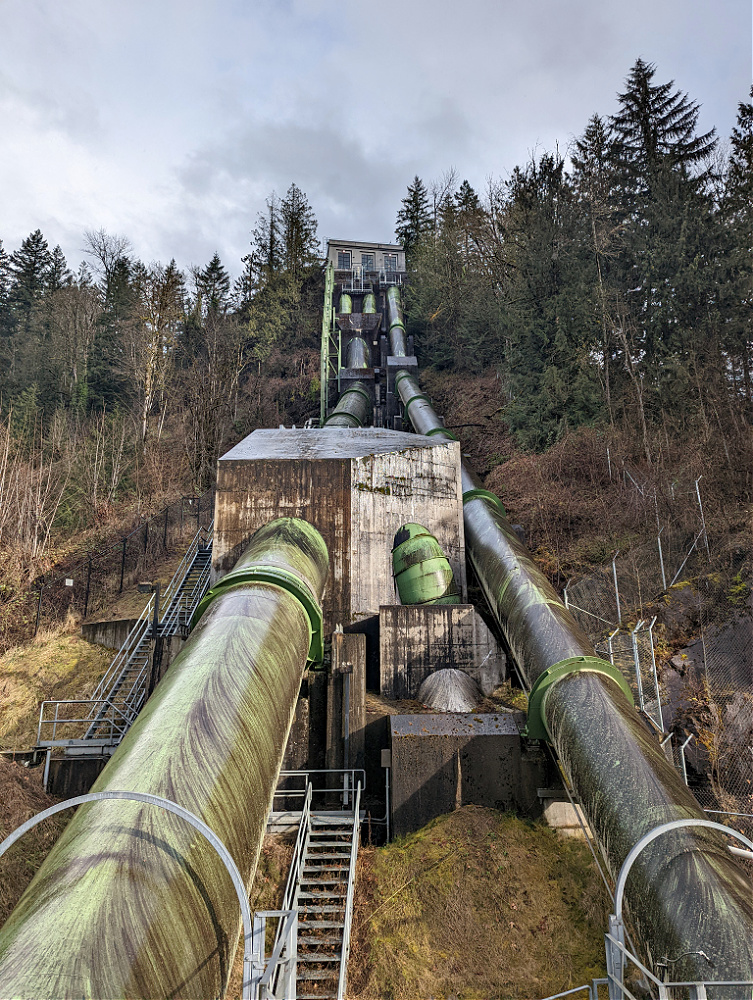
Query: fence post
point(661, 560)
point(609, 646)
point(637, 662)
point(198, 513)
point(616, 588)
point(39, 610)
point(88, 585)
point(703, 520)
point(122, 564)
point(564, 595)
point(164, 533)
point(146, 534)
point(656, 676)
point(609, 464)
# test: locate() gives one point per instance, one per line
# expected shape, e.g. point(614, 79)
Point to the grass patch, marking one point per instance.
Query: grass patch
point(478, 904)
point(55, 665)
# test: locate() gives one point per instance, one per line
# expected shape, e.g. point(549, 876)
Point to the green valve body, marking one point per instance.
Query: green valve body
point(369, 303)
point(346, 303)
point(422, 571)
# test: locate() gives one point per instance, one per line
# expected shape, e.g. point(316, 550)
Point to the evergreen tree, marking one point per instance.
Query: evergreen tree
point(58, 273)
point(414, 219)
point(737, 208)
point(655, 130)
point(29, 267)
point(299, 246)
point(213, 286)
point(265, 258)
point(549, 325)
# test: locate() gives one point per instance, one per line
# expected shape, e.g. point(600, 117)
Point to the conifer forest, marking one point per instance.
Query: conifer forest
point(607, 286)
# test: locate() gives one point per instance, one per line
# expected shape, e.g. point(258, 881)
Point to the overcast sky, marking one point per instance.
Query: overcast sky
point(171, 121)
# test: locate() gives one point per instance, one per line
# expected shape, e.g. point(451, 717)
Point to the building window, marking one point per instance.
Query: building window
point(343, 260)
point(367, 261)
point(390, 262)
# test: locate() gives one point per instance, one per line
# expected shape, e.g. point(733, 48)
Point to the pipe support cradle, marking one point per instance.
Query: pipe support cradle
point(536, 727)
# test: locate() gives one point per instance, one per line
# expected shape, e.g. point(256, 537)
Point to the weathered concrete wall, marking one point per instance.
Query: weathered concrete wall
point(252, 492)
point(357, 487)
point(348, 658)
point(414, 641)
point(419, 484)
point(111, 635)
point(442, 762)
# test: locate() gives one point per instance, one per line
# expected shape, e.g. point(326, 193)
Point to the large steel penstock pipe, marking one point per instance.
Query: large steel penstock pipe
point(690, 900)
point(353, 408)
point(131, 901)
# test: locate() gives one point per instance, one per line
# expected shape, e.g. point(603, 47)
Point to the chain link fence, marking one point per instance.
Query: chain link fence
point(91, 582)
point(704, 705)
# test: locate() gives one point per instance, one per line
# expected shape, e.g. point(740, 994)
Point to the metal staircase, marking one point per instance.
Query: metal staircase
point(319, 891)
point(323, 899)
point(95, 726)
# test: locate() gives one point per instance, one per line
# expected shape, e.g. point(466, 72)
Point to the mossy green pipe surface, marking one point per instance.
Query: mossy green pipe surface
point(395, 323)
point(688, 896)
point(353, 408)
point(421, 569)
point(346, 303)
point(131, 902)
point(369, 303)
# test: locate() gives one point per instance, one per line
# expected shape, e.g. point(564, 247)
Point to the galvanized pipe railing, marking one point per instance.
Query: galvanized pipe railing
point(348, 917)
point(129, 903)
point(689, 898)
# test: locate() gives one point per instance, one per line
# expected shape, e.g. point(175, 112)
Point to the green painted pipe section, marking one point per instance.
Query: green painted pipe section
point(421, 569)
point(396, 326)
point(686, 893)
point(369, 303)
point(346, 303)
point(357, 354)
point(131, 901)
point(353, 408)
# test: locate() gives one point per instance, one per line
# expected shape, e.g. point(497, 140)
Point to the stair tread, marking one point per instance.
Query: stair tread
point(318, 957)
point(323, 909)
point(323, 974)
point(320, 895)
point(323, 924)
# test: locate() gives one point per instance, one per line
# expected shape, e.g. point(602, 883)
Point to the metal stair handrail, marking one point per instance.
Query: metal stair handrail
point(348, 918)
point(134, 690)
point(143, 623)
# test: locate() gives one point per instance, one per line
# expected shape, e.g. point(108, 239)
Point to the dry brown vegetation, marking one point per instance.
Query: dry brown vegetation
point(22, 796)
point(55, 665)
point(477, 904)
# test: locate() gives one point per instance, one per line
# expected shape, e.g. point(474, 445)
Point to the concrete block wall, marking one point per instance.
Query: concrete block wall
point(414, 641)
point(357, 487)
point(442, 762)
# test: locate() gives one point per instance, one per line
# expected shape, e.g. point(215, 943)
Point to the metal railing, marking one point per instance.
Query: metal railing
point(113, 726)
point(274, 978)
point(343, 786)
point(348, 918)
point(102, 725)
